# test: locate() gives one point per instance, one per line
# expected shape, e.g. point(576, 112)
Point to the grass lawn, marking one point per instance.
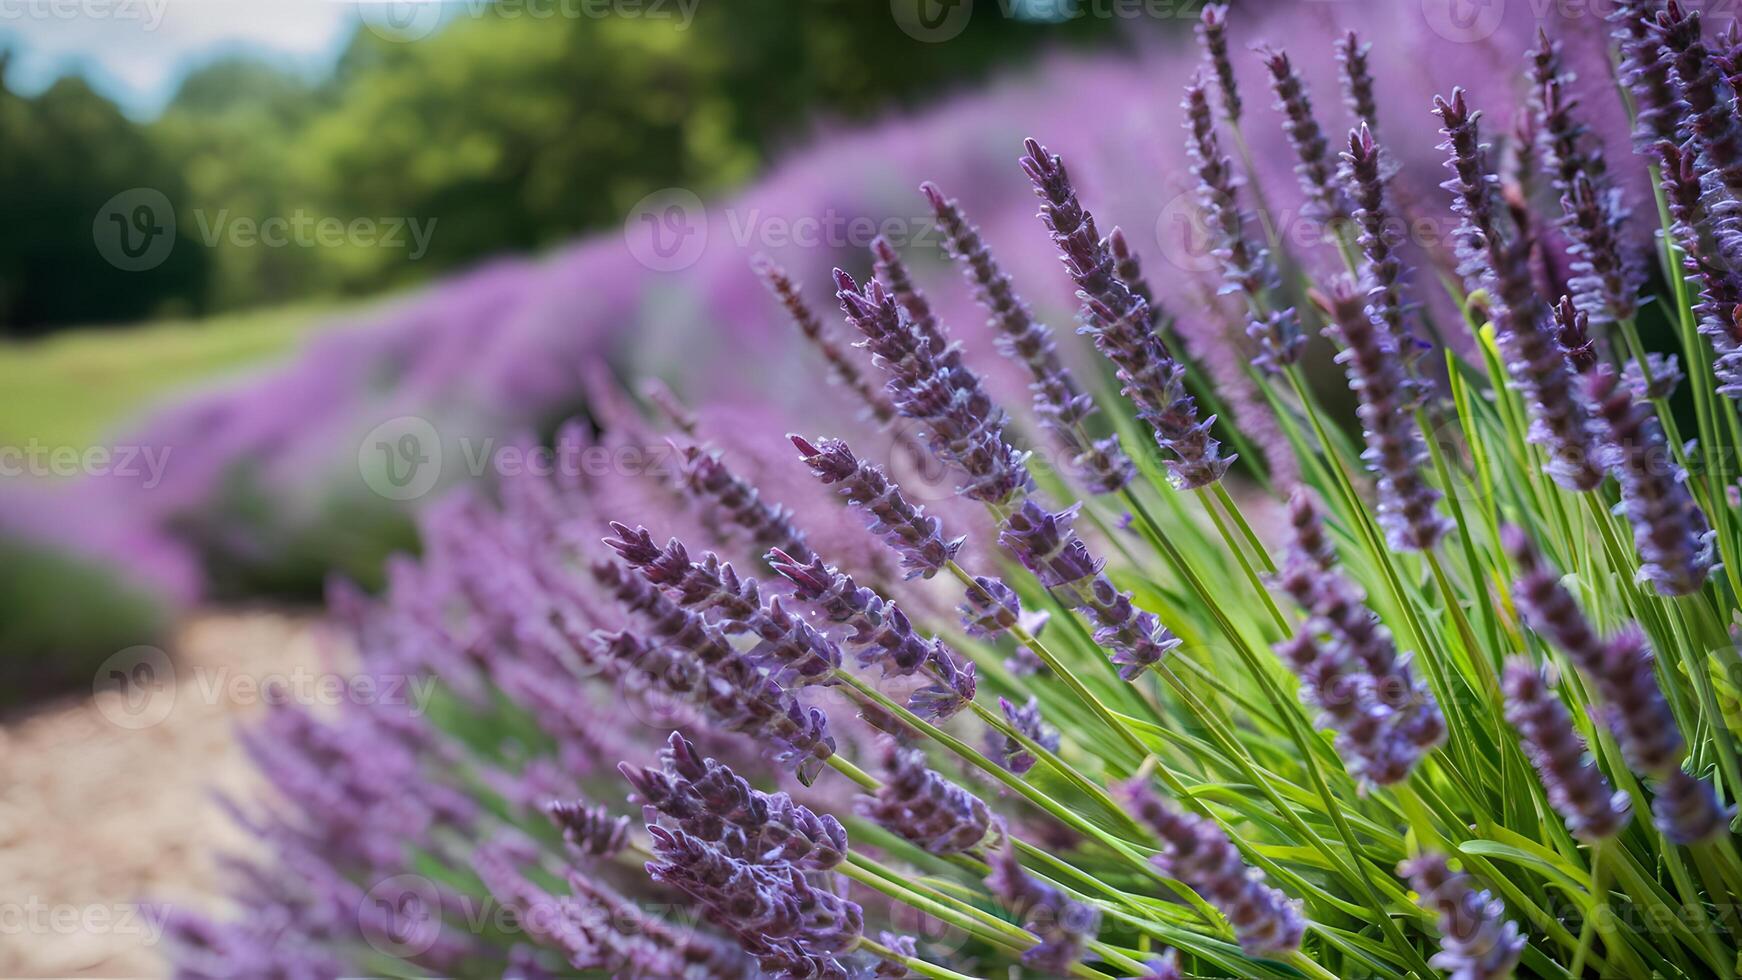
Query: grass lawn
point(77, 386)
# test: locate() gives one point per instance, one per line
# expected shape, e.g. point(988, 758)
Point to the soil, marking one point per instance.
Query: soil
point(107, 810)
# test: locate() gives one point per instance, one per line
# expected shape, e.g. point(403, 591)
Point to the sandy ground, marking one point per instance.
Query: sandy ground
point(106, 810)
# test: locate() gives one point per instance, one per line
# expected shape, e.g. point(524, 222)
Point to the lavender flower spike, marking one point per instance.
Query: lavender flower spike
point(1395, 449)
point(1708, 102)
point(1324, 202)
point(1059, 402)
point(883, 634)
point(1606, 277)
point(590, 830)
point(1382, 270)
point(1645, 72)
point(1576, 787)
point(1246, 266)
point(706, 475)
point(1687, 810)
point(1212, 30)
point(1045, 544)
point(1196, 851)
point(1064, 926)
point(1670, 532)
point(918, 539)
point(963, 426)
point(921, 806)
point(1357, 79)
point(1561, 419)
point(1475, 942)
point(1120, 321)
point(1720, 291)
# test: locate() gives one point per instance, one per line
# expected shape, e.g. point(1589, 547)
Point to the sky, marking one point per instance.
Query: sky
point(137, 51)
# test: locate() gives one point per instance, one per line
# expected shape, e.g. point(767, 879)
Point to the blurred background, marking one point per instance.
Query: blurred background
point(274, 274)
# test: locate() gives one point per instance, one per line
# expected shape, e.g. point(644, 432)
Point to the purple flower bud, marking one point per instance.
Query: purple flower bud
point(1357, 80)
point(1196, 851)
point(1246, 266)
point(1576, 787)
point(1395, 448)
point(1706, 259)
point(1606, 274)
point(1315, 170)
point(1708, 104)
point(883, 635)
point(1670, 532)
point(1475, 942)
point(1121, 323)
point(1163, 967)
point(903, 526)
point(1645, 72)
point(1011, 753)
point(1212, 33)
point(1654, 380)
point(1687, 810)
point(590, 830)
point(1573, 333)
point(901, 946)
point(921, 806)
point(1064, 926)
point(963, 426)
point(770, 525)
point(1059, 402)
point(1561, 418)
point(1382, 271)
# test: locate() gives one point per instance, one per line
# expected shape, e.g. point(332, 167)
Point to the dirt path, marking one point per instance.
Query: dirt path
point(106, 810)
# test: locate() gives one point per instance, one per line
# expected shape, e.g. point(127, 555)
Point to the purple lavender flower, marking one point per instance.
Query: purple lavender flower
point(590, 830)
point(1064, 926)
point(1121, 323)
point(1687, 809)
point(1382, 271)
point(1561, 419)
point(1163, 967)
point(1395, 449)
point(1703, 258)
point(741, 696)
point(1246, 266)
point(1212, 31)
point(1573, 333)
point(770, 525)
point(883, 635)
point(963, 426)
point(1645, 72)
point(1315, 170)
point(1708, 104)
point(1196, 851)
point(1357, 79)
point(1059, 402)
point(1011, 753)
point(1576, 787)
point(705, 798)
point(1670, 532)
point(1045, 544)
point(921, 806)
point(1606, 276)
point(842, 370)
point(1475, 942)
point(903, 526)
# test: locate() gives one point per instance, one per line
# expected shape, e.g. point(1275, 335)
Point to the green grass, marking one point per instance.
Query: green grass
point(78, 386)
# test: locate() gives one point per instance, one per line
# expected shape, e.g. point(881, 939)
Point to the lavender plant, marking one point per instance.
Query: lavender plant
point(1498, 628)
